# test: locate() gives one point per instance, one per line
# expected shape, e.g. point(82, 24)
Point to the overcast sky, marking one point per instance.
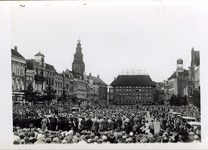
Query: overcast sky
point(113, 37)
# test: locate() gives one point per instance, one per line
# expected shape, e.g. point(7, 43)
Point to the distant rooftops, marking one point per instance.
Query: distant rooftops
point(132, 80)
point(98, 81)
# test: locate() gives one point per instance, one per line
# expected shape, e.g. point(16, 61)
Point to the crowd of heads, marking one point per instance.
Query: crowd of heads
point(117, 124)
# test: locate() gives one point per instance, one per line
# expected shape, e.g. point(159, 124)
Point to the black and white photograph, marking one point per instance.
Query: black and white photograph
point(86, 73)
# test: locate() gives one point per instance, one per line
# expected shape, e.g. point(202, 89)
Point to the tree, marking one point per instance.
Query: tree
point(49, 94)
point(173, 100)
point(74, 99)
point(184, 100)
point(196, 98)
point(30, 94)
point(177, 100)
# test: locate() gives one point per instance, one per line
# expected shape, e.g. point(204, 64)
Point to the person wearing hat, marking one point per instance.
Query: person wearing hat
point(111, 124)
point(158, 137)
point(16, 139)
point(151, 127)
point(82, 124)
point(112, 137)
point(105, 124)
point(53, 123)
point(55, 140)
point(196, 139)
point(118, 123)
point(40, 140)
point(44, 123)
point(165, 139)
point(32, 137)
point(127, 126)
point(69, 138)
point(48, 140)
point(82, 140)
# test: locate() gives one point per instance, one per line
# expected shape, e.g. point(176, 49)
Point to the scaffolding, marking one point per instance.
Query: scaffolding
point(133, 72)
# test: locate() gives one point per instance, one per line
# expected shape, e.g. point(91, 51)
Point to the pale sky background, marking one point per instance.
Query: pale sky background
point(113, 37)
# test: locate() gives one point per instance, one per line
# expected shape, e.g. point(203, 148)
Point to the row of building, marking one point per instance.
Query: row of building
point(131, 87)
point(138, 88)
point(88, 89)
point(184, 81)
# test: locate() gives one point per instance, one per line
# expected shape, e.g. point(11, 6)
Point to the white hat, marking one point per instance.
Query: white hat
point(131, 133)
point(70, 132)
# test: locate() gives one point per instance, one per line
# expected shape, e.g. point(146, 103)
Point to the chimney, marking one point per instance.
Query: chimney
point(98, 76)
point(90, 74)
point(114, 78)
point(15, 48)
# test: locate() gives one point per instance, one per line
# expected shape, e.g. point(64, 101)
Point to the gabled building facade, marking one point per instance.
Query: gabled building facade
point(59, 84)
point(100, 90)
point(18, 65)
point(37, 65)
point(50, 75)
point(178, 80)
point(68, 83)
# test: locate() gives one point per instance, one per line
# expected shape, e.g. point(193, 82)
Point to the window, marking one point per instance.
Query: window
point(13, 68)
point(28, 78)
point(18, 70)
point(31, 78)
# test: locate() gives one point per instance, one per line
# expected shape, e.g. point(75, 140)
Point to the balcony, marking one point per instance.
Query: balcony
point(39, 78)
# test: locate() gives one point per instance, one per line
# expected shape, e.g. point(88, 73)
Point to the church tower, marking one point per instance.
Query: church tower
point(78, 65)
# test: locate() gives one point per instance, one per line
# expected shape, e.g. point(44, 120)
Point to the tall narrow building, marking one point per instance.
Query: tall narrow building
point(78, 65)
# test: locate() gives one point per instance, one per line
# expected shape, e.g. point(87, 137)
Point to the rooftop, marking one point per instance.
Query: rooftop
point(132, 80)
point(39, 54)
point(16, 53)
point(98, 81)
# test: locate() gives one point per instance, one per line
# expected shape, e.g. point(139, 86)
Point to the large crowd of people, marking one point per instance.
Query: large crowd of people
point(112, 124)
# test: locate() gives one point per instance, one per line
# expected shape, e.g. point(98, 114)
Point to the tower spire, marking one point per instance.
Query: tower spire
point(79, 40)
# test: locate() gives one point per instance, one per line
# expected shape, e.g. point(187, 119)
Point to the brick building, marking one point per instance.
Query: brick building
point(133, 89)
